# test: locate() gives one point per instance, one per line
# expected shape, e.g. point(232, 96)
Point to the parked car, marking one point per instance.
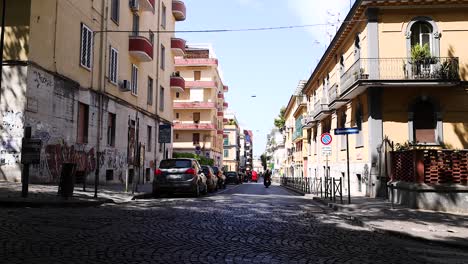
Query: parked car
point(211, 179)
point(221, 177)
point(179, 175)
point(232, 177)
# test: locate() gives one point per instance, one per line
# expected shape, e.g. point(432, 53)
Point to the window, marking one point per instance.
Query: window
point(83, 122)
point(150, 91)
point(424, 124)
point(86, 47)
point(197, 75)
point(113, 65)
point(226, 153)
point(421, 34)
point(177, 115)
point(151, 37)
point(111, 130)
point(163, 16)
point(177, 136)
point(115, 10)
point(163, 56)
point(226, 141)
point(196, 117)
point(136, 25)
point(149, 136)
point(196, 138)
point(161, 99)
point(134, 81)
point(177, 94)
point(358, 117)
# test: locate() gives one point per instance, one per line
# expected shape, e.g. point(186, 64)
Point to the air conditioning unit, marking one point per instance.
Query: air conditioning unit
point(134, 5)
point(125, 86)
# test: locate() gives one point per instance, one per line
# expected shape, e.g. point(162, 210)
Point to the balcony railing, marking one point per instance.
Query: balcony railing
point(177, 82)
point(441, 69)
point(147, 5)
point(178, 46)
point(321, 109)
point(194, 105)
point(179, 10)
point(192, 126)
point(202, 84)
point(140, 48)
point(196, 62)
point(226, 88)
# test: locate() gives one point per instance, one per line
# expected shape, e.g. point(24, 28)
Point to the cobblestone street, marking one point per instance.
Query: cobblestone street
point(244, 224)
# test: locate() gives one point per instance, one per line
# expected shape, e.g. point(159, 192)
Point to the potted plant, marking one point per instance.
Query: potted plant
point(364, 75)
point(421, 59)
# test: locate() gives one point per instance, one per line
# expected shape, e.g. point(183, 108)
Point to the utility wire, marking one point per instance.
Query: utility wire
point(236, 30)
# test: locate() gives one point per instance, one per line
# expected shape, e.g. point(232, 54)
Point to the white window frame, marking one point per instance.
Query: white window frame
point(134, 80)
point(113, 65)
point(161, 98)
point(86, 51)
point(163, 16)
point(163, 57)
point(150, 90)
point(115, 7)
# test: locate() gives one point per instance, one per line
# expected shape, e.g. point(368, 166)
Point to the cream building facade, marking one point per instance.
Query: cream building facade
point(92, 79)
point(370, 78)
point(199, 108)
point(231, 155)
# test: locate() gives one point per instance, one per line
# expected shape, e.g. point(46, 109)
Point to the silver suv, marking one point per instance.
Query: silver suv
point(179, 175)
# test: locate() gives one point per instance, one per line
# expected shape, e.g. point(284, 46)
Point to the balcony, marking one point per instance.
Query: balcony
point(140, 48)
point(178, 46)
point(226, 88)
point(179, 10)
point(438, 71)
point(225, 120)
point(308, 121)
point(221, 96)
point(220, 114)
point(177, 83)
point(334, 97)
point(209, 62)
point(191, 126)
point(220, 132)
point(225, 136)
point(194, 105)
point(202, 84)
point(321, 109)
point(225, 105)
point(147, 5)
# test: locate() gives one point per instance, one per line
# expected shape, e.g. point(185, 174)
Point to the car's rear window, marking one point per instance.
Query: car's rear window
point(231, 174)
point(165, 164)
point(205, 169)
point(215, 169)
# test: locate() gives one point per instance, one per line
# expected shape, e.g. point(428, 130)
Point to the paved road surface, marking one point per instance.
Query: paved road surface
point(243, 224)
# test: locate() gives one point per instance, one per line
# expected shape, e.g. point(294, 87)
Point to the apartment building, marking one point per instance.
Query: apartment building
point(296, 137)
point(231, 155)
point(199, 107)
point(275, 149)
point(397, 71)
point(248, 149)
point(92, 81)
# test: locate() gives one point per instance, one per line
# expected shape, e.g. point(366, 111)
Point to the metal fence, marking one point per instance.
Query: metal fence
point(328, 188)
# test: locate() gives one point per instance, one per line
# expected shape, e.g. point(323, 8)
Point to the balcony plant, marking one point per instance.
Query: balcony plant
point(422, 59)
point(448, 70)
point(364, 75)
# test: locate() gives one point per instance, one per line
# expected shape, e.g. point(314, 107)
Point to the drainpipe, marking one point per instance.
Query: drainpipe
point(99, 123)
point(156, 122)
point(2, 45)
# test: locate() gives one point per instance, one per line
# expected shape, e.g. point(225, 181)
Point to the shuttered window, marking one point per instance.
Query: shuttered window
point(113, 65)
point(134, 81)
point(86, 46)
point(115, 10)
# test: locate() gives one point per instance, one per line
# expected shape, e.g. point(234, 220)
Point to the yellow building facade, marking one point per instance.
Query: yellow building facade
point(199, 107)
point(372, 77)
point(92, 79)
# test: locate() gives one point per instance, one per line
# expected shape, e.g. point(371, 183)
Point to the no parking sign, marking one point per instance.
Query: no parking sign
point(326, 139)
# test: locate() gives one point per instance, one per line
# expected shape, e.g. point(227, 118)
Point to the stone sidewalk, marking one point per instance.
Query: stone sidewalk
point(378, 215)
point(40, 195)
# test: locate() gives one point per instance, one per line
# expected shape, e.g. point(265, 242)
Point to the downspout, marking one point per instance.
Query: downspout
point(2, 45)
point(99, 124)
point(156, 121)
point(55, 36)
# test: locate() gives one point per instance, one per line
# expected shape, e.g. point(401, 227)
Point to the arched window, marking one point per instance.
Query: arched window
point(424, 122)
point(421, 33)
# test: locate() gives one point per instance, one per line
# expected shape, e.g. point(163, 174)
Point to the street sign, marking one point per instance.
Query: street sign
point(326, 139)
point(347, 131)
point(165, 133)
point(31, 151)
point(326, 150)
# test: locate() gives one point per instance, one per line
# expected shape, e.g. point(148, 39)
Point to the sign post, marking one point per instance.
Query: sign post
point(326, 140)
point(30, 154)
point(165, 131)
point(347, 131)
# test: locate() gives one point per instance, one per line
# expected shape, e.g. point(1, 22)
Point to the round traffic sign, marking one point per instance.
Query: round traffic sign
point(326, 139)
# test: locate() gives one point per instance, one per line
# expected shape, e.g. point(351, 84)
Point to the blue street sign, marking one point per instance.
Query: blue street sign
point(347, 131)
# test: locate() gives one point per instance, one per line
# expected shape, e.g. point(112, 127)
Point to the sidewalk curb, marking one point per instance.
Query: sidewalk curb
point(360, 222)
point(58, 204)
point(293, 190)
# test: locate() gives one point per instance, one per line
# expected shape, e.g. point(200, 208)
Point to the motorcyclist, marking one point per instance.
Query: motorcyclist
point(267, 177)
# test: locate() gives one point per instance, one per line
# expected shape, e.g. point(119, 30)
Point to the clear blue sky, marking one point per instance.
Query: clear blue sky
point(268, 64)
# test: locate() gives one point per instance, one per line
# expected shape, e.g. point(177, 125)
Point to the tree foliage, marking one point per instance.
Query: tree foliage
point(281, 121)
point(201, 159)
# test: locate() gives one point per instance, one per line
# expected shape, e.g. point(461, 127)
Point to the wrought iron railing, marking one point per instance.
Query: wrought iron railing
point(434, 68)
point(302, 184)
